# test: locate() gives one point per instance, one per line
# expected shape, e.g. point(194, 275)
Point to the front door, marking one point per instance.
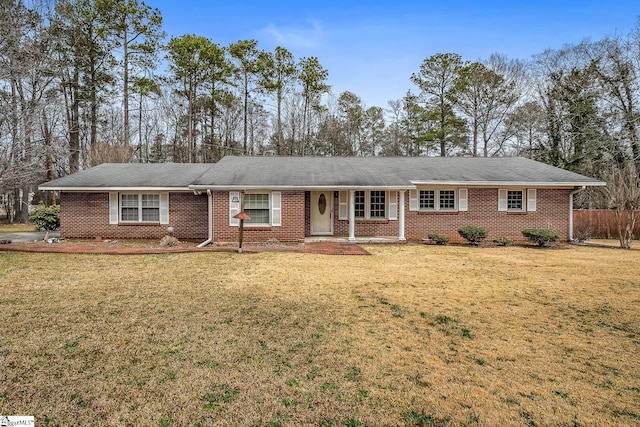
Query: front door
point(322, 212)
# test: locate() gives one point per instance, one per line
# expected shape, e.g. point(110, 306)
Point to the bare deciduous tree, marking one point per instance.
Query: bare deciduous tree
point(623, 194)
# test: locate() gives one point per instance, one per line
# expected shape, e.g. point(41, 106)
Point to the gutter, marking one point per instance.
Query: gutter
point(44, 187)
point(210, 222)
point(278, 187)
point(504, 184)
point(576, 191)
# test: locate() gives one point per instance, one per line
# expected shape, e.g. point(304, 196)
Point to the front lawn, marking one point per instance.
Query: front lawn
point(16, 228)
point(412, 335)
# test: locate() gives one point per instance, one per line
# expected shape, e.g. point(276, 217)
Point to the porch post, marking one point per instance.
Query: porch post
point(352, 215)
point(401, 216)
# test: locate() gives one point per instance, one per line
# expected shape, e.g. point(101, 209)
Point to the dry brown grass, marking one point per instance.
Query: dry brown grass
point(16, 228)
point(413, 333)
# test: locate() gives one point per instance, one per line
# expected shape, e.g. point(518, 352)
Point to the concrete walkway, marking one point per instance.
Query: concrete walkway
point(28, 236)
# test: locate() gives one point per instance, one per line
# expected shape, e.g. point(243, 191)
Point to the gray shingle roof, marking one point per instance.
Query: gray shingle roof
point(401, 172)
point(321, 172)
point(132, 176)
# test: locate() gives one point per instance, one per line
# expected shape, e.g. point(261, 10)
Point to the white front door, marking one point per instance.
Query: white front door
point(322, 212)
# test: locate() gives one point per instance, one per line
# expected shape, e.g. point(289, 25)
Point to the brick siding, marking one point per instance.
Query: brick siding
point(291, 230)
point(86, 216)
point(552, 212)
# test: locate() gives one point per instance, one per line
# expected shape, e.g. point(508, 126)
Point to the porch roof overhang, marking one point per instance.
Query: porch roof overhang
point(266, 187)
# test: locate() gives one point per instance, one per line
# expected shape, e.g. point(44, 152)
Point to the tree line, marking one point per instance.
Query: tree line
point(84, 82)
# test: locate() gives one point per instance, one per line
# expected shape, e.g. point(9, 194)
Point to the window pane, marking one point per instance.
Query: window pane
point(256, 201)
point(514, 200)
point(447, 199)
point(258, 216)
point(129, 207)
point(377, 204)
point(151, 214)
point(150, 200)
point(129, 214)
point(359, 205)
point(129, 200)
point(427, 199)
point(257, 207)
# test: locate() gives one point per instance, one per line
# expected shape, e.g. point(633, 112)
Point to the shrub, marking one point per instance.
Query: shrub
point(502, 241)
point(582, 233)
point(169, 242)
point(474, 235)
point(46, 218)
point(439, 239)
point(541, 236)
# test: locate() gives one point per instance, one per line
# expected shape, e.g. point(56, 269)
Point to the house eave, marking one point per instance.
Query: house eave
point(299, 187)
point(119, 189)
point(497, 184)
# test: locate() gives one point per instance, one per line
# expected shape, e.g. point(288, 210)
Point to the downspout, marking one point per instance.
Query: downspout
point(210, 222)
point(576, 191)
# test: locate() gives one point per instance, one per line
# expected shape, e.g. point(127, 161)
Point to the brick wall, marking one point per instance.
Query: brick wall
point(552, 212)
point(291, 230)
point(364, 228)
point(86, 215)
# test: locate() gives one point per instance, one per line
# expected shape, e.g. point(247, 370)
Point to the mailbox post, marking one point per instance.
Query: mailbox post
point(242, 216)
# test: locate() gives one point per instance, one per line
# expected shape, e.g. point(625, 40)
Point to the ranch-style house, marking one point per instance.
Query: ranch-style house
point(293, 199)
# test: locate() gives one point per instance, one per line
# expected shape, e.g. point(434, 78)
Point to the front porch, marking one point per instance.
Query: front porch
point(355, 240)
point(356, 216)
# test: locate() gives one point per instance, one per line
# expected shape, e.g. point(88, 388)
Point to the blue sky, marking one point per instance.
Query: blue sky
point(371, 48)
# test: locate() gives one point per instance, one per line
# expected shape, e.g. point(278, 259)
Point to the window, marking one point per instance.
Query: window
point(517, 200)
point(514, 200)
point(359, 204)
point(377, 204)
point(129, 205)
point(140, 207)
point(439, 200)
point(370, 204)
point(264, 209)
point(257, 207)
point(447, 199)
point(427, 199)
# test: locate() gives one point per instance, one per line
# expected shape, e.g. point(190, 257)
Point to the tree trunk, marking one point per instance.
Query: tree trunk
point(46, 134)
point(125, 82)
point(443, 147)
point(73, 117)
point(279, 130)
point(625, 220)
point(143, 157)
point(246, 112)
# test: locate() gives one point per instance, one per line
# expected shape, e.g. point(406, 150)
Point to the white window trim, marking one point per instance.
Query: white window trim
point(436, 200)
point(367, 206)
point(275, 209)
point(115, 208)
point(529, 202)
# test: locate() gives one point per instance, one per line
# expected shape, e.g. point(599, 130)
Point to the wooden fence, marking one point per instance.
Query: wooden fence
point(600, 223)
